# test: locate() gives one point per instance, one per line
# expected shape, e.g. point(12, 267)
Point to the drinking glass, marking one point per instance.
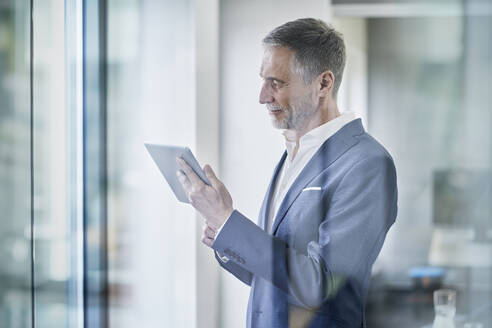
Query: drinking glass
point(445, 308)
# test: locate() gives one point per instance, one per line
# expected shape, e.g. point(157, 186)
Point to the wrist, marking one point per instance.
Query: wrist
point(227, 216)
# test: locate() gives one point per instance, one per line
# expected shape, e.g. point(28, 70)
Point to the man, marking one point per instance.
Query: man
point(329, 205)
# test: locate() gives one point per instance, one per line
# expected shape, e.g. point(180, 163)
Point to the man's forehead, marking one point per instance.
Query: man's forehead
point(276, 60)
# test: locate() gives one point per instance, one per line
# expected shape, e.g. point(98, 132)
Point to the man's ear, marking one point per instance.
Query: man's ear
point(326, 81)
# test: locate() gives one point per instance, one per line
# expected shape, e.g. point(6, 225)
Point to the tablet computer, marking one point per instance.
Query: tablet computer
point(164, 157)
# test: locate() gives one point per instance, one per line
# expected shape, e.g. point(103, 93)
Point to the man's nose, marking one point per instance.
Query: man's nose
point(266, 96)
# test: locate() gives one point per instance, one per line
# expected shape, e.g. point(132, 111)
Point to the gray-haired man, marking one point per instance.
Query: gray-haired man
point(330, 202)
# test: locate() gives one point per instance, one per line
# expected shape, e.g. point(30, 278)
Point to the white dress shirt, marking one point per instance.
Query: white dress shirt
point(293, 164)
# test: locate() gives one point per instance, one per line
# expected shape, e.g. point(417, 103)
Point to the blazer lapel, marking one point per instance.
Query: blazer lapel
point(329, 151)
point(265, 206)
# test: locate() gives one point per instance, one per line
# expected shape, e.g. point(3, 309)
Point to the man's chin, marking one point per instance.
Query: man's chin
point(279, 124)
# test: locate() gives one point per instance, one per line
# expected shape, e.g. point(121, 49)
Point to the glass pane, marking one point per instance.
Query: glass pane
point(427, 105)
point(56, 268)
point(15, 172)
point(150, 99)
point(94, 162)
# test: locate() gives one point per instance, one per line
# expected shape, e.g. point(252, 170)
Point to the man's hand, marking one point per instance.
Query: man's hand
point(213, 202)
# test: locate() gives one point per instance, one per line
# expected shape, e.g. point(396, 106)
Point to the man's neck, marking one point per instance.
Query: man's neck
point(323, 116)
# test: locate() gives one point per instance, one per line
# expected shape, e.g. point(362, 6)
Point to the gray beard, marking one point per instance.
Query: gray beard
point(297, 115)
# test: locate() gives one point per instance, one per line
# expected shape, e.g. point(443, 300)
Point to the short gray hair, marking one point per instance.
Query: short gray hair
point(317, 47)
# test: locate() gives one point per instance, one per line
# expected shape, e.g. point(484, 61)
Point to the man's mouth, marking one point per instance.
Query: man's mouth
point(275, 110)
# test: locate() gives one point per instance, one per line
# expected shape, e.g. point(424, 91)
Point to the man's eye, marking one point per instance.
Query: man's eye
point(277, 84)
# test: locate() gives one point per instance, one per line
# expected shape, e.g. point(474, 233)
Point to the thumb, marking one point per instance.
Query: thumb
point(209, 172)
point(211, 175)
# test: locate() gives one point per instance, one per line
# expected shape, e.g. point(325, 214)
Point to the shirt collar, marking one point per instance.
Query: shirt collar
point(324, 131)
point(319, 134)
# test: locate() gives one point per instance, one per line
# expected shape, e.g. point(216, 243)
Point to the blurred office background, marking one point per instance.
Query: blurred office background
point(91, 235)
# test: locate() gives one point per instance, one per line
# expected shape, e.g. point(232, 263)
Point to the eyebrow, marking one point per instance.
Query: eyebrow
point(273, 79)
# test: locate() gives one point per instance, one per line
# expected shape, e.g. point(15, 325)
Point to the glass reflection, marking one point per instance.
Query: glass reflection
point(51, 188)
point(429, 102)
point(15, 206)
point(151, 244)
point(423, 105)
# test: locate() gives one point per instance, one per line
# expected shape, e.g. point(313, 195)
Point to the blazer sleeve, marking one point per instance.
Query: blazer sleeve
point(234, 268)
point(350, 236)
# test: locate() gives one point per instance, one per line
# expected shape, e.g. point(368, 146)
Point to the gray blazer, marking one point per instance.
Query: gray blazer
point(313, 269)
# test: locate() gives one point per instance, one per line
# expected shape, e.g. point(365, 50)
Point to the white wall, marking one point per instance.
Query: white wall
point(353, 91)
point(250, 147)
point(206, 40)
point(151, 89)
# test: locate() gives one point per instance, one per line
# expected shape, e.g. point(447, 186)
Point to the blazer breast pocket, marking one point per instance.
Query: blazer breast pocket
point(302, 221)
point(312, 189)
point(309, 198)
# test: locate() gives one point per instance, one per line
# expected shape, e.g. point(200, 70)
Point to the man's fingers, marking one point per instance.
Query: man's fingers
point(190, 174)
point(208, 235)
point(208, 232)
point(184, 181)
point(207, 241)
